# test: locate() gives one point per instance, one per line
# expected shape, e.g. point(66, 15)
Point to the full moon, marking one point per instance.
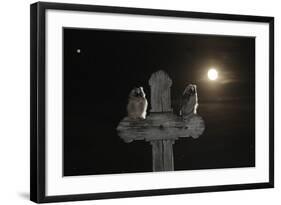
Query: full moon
point(212, 74)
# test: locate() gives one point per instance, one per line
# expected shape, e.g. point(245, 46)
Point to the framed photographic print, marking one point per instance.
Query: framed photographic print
point(129, 102)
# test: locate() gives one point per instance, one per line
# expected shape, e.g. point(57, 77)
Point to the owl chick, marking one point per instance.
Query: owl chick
point(137, 104)
point(189, 101)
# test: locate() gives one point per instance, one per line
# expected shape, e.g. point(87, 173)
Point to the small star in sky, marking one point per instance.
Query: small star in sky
point(78, 50)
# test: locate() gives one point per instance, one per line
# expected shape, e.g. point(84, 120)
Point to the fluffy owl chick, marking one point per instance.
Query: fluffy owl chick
point(189, 101)
point(137, 104)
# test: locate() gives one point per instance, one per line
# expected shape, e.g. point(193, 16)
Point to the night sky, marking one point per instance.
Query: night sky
point(102, 66)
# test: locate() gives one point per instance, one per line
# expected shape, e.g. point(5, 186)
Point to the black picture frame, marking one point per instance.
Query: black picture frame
point(38, 101)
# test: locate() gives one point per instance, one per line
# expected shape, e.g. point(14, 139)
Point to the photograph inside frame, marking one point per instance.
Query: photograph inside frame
point(140, 101)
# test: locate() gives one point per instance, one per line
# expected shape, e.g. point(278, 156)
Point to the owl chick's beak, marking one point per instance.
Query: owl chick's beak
point(192, 90)
point(138, 93)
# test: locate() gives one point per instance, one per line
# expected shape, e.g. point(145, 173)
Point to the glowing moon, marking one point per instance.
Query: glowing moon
point(212, 74)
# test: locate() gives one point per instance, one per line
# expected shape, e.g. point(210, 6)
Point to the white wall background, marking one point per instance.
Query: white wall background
point(14, 100)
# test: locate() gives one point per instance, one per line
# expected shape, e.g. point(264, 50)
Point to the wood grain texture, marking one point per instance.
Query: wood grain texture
point(160, 126)
point(160, 85)
point(157, 155)
point(168, 155)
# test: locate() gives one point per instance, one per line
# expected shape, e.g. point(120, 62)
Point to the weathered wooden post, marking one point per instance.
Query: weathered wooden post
point(160, 86)
point(162, 150)
point(161, 128)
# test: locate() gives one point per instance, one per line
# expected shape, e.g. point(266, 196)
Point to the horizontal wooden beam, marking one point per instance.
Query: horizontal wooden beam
point(160, 126)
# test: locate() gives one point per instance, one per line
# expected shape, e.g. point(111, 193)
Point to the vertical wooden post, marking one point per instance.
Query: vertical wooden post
point(162, 155)
point(168, 155)
point(162, 150)
point(157, 155)
point(160, 84)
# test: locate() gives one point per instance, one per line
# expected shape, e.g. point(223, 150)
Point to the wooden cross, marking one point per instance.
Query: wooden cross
point(161, 127)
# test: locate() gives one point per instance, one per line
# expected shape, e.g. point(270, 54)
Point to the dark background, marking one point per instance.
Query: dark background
point(97, 82)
